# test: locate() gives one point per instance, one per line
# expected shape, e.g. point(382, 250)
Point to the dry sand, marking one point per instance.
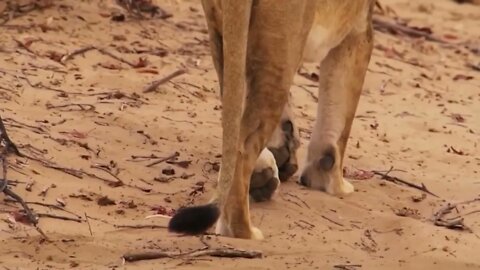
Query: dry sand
point(419, 113)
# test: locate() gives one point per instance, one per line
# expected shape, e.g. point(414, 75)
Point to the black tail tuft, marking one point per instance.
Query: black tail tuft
point(194, 220)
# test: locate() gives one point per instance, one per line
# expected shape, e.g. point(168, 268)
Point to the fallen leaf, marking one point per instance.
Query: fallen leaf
point(142, 62)
point(168, 171)
point(162, 210)
point(104, 201)
point(55, 56)
point(357, 174)
point(119, 38)
point(76, 134)
point(458, 117)
point(419, 198)
point(21, 217)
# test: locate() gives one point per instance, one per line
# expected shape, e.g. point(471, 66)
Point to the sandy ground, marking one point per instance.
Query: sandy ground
point(419, 113)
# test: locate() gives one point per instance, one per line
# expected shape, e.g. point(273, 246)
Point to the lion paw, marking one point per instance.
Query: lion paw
point(223, 229)
point(257, 234)
point(345, 188)
point(264, 180)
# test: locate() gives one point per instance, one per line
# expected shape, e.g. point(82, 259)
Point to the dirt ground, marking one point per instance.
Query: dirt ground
point(85, 122)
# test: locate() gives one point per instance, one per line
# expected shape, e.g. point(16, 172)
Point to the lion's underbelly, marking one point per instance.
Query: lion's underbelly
point(334, 20)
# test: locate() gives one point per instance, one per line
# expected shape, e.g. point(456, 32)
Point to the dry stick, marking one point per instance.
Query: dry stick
point(172, 156)
point(35, 129)
point(10, 147)
point(216, 252)
point(19, 10)
point(70, 55)
point(83, 107)
point(454, 223)
point(102, 168)
point(101, 50)
point(136, 157)
point(118, 183)
point(450, 224)
point(31, 216)
point(51, 165)
point(397, 180)
point(48, 205)
point(118, 58)
point(54, 207)
point(81, 173)
point(466, 214)
point(155, 84)
point(89, 226)
point(141, 226)
point(347, 266)
point(23, 46)
point(380, 24)
point(5, 182)
point(73, 172)
point(333, 221)
point(38, 85)
point(46, 215)
point(298, 198)
point(291, 201)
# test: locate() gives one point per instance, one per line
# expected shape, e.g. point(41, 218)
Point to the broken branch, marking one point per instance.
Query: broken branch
point(397, 180)
point(141, 226)
point(172, 156)
point(70, 55)
point(456, 223)
point(155, 84)
point(46, 215)
point(385, 26)
point(216, 252)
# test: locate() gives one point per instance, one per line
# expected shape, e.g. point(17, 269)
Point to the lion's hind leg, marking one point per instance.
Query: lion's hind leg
point(342, 73)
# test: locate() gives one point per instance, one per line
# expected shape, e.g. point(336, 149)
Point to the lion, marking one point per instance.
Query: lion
point(257, 47)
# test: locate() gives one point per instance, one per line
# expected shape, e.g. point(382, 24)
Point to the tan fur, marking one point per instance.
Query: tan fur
point(257, 47)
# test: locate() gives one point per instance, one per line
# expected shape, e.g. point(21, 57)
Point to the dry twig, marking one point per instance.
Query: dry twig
point(205, 251)
point(48, 205)
point(141, 226)
point(397, 180)
point(155, 84)
point(70, 55)
point(385, 26)
point(172, 156)
point(46, 215)
point(347, 266)
point(82, 107)
point(333, 221)
point(8, 148)
point(456, 223)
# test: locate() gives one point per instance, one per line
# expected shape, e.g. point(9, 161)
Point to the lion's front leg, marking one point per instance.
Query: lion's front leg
point(342, 74)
